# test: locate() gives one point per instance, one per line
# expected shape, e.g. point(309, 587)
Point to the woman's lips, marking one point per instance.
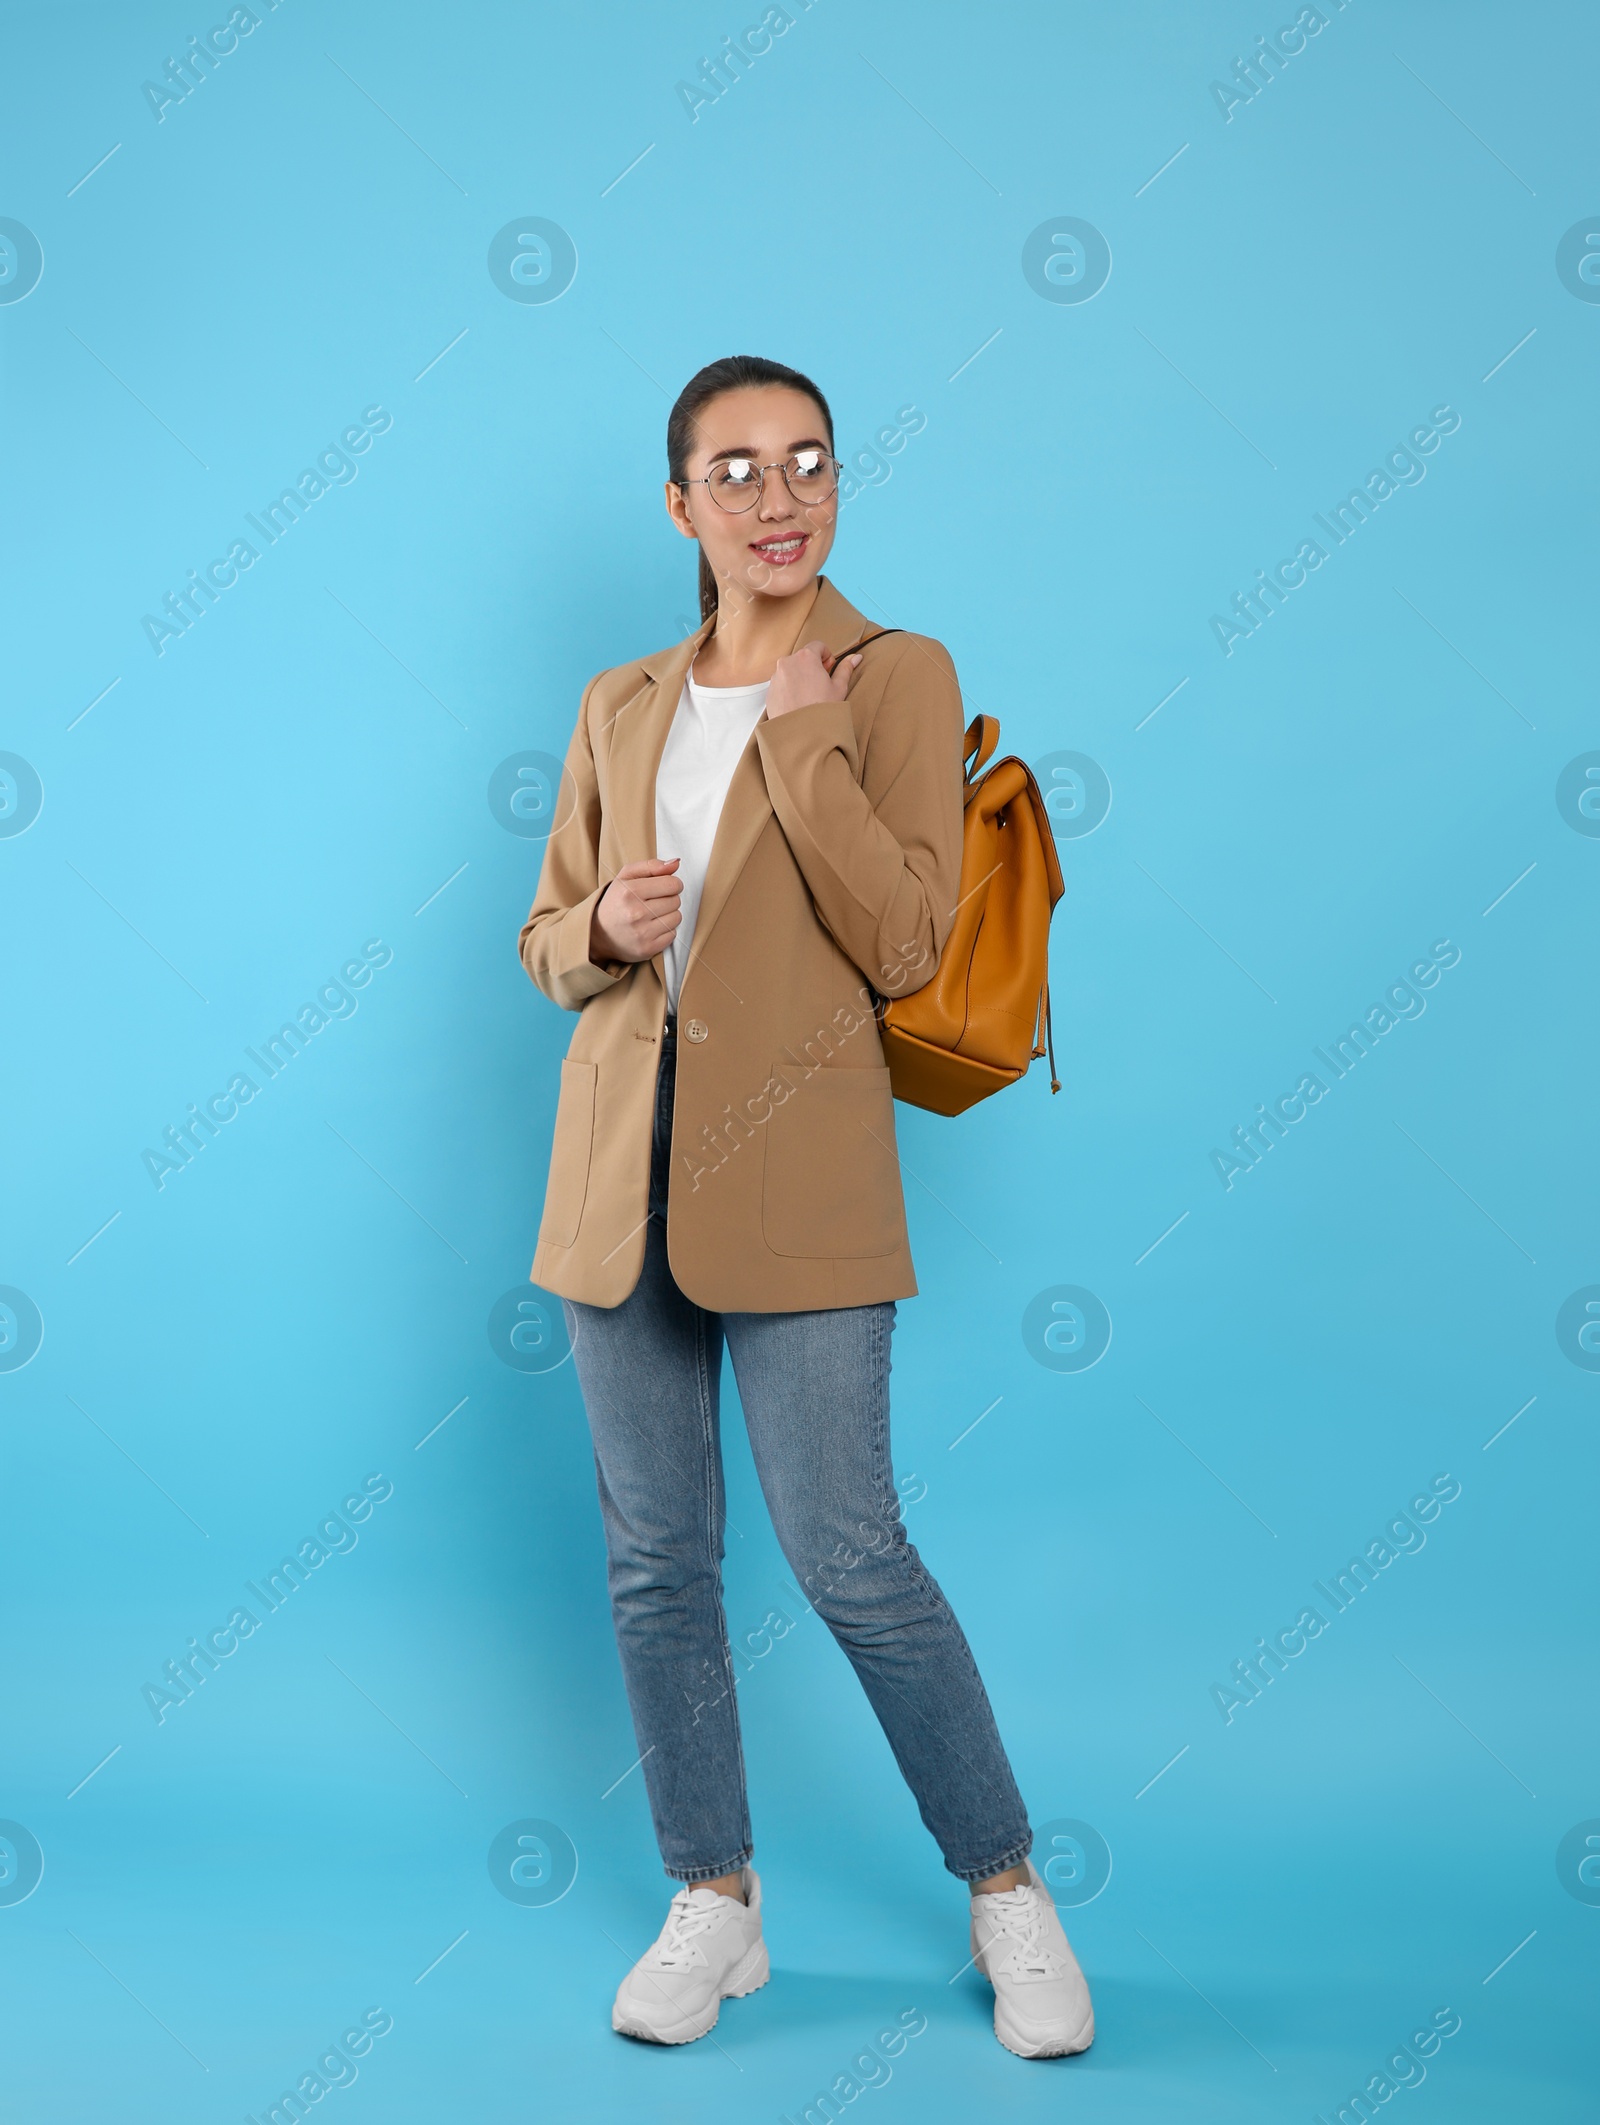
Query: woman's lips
point(781, 552)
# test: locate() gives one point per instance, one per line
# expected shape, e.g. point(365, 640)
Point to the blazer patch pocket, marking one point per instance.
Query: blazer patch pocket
point(568, 1184)
point(831, 1184)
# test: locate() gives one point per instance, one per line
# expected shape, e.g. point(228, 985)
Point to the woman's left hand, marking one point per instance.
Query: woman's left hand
point(811, 674)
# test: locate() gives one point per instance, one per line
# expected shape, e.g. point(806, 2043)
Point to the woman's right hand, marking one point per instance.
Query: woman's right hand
point(638, 914)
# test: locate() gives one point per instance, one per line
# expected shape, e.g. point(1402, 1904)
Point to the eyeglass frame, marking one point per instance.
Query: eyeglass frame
point(777, 465)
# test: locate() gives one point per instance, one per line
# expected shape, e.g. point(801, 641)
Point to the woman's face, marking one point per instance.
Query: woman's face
point(775, 548)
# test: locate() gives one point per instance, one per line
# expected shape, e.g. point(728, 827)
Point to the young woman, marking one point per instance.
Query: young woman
point(760, 828)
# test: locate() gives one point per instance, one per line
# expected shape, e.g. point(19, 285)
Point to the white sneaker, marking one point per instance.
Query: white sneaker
point(1042, 2008)
point(709, 1950)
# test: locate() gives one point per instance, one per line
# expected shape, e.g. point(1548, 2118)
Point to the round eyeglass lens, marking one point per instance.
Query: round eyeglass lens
point(811, 475)
point(735, 484)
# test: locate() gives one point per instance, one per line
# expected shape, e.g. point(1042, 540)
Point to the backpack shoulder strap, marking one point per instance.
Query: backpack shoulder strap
point(983, 735)
point(866, 639)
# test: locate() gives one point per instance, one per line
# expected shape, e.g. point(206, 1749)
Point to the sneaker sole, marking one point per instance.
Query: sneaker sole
point(746, 1976)
point(1051, 2047)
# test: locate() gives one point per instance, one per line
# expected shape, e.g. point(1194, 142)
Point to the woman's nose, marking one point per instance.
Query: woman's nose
point(776, 500)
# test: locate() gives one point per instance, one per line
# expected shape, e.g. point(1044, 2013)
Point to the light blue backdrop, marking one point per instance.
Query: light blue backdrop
point(298, 777)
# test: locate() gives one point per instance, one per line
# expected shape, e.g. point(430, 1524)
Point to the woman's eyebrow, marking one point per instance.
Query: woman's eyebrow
point(809, 442)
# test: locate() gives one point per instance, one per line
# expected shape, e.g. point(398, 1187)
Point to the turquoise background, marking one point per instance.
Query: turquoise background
point(1291, 826)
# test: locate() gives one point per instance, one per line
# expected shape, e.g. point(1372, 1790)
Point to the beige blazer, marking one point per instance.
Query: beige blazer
point(834, 873)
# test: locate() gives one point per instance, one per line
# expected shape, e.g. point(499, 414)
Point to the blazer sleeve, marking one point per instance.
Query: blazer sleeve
point(878, 837)
point(554, 943)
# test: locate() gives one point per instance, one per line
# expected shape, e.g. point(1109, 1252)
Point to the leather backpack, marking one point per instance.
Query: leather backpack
point(976, 1027)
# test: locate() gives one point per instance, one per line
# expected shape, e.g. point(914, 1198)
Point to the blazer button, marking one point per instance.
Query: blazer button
point(695, 1029)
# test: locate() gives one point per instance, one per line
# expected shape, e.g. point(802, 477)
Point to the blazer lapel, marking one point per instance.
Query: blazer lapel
point(638, 737)
point(748, 806)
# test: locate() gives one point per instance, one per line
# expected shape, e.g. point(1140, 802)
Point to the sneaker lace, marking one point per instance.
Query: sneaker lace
point(678, 1946)
point(1017, 1916)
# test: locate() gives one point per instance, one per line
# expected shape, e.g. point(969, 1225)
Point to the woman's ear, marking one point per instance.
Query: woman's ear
point(678, 510)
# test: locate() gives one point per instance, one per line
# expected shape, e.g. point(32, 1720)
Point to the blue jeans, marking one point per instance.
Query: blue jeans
point(815, 1391)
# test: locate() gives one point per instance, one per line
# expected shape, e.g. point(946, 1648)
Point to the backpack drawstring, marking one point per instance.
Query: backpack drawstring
point(1049, 1047)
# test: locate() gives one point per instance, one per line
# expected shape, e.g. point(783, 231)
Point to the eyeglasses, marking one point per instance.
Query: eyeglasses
point(811, 476)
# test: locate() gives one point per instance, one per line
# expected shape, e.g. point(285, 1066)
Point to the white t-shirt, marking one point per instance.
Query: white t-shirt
point(710, 730)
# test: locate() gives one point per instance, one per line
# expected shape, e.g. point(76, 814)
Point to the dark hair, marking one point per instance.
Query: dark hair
point(735, 372)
